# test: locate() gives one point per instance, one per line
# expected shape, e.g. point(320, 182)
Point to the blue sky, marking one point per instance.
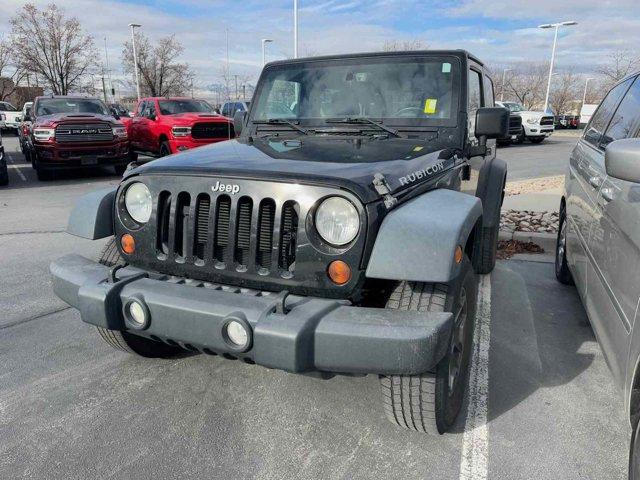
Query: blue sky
point(500, 32)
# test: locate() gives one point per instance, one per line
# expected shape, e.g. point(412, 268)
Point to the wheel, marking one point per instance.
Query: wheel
point(430, 402)
point(133, 156)
point(485, 248)
point(563, 274)
point(165, 149)
point(536, 139)
point(120, 169)
point(4, 175)
point(43, 174)
point(520, 137)
point(634, 454)
point(126, 341)
point(503, 143)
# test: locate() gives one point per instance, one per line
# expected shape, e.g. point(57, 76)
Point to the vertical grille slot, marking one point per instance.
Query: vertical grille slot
point(223, 212)
point(243, 232)
point(265, 233)
point(203, 207)
point(162, 236)
point(288, 236)
point(182, 220)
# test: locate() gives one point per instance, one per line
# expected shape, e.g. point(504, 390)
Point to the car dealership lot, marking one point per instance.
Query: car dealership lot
point(70, 407)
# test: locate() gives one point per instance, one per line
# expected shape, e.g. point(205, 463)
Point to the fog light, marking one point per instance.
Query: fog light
point(182, 148)
point(136, 314)
point(237, 333)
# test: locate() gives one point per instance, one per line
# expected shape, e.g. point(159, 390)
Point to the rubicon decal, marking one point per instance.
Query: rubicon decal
point(231, 188)
point(422, 173)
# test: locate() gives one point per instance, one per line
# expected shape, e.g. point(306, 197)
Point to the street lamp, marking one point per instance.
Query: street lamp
point(295, 28)
point(264, 44)
point(586, 85)
point(553, 53)
point(135, 56)
point(504, 75)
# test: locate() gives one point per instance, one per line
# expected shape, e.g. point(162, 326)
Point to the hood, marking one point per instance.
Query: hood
point(74, 118)
point(189, 118)
point(349, 163)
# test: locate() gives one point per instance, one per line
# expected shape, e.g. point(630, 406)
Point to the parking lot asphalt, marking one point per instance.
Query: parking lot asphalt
point(72, 408)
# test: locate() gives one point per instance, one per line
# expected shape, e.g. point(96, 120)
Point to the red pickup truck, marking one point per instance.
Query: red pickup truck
point(161, 126)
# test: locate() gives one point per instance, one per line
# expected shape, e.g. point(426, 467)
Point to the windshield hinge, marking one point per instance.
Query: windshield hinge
point(382, 187)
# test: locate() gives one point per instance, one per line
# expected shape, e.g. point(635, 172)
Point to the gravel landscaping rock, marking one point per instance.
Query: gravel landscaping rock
point(529, 221)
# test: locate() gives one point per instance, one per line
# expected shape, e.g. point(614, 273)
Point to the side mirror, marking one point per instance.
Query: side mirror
point(238, 122)
point(491, 122)
point(622, 159)
point(19, 119)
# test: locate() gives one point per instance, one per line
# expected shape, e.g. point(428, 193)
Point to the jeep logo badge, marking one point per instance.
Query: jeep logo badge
point(231, 188)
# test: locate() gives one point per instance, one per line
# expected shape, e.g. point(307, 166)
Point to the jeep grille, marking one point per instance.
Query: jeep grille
point(227, 231)
point(89, 132)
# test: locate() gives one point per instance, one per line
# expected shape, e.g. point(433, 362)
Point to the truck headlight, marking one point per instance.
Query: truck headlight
point(533, 120)
point(181, 131)
point(137, 200)
point(120, 132)
point(43, 134)
point(337, 220)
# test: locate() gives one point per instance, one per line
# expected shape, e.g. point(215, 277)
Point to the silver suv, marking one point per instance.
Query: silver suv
point(599, 238)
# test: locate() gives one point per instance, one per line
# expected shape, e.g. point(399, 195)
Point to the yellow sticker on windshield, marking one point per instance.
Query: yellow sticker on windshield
point(430, 105)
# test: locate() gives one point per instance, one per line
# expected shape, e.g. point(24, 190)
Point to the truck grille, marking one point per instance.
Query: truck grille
point(243, 234)
point(209, 130)
point(515, 124)
point(86, 132)
point(546, 121)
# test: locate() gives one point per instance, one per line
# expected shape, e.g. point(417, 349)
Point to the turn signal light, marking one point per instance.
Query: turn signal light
point(128, 244)
point(339, 272)
point(459, 254)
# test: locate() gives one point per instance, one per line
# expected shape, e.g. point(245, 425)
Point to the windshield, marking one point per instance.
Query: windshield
point(49, 106)
point(405, 89)
point(172, 107)
point(513, 107)
point(7, 107)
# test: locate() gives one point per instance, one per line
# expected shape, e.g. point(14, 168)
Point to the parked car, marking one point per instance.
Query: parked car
point(25, 124)
point(342, 237)
point(4, 173)
point(229, 109)
point(515, 129)
point(536, 126)
point(567, 121)
point(72, 132)
point(162, 126)
point(586, 112)
point(598, 245)
point(11, 117)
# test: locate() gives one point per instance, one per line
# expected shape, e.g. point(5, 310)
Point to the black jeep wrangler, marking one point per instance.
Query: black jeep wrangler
point(340, 233)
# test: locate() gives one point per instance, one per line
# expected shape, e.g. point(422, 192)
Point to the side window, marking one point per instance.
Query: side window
point(225, 110)
point(603, 114)
point(141, 109)
point(475, 100)
point(626, 117)
point(489, 96)
point(151, 109)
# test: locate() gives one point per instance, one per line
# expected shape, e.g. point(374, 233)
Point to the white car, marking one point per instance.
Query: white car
point(12, 116)
point(536, 126)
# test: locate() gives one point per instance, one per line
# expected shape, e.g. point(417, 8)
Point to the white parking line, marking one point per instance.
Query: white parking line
point(16, 167)
point(475, 441)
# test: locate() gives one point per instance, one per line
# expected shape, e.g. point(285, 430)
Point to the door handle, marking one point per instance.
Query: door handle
point(595, 182)
point(607, 194)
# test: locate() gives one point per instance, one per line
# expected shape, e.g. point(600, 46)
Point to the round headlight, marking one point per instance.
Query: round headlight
point(138, 201)
point(337, 221)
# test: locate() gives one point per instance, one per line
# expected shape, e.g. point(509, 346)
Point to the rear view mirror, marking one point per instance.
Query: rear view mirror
point(492, 122)
point(622, 159)
point(238, 121)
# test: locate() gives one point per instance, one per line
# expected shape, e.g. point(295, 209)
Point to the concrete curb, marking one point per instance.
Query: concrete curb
point(547, 241)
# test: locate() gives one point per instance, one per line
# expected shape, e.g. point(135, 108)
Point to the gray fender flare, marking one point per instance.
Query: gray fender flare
point(92, 215)
point(492, 193)
point(418, 239)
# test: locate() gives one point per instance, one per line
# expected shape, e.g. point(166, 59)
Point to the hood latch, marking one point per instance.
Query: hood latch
point(382, 187)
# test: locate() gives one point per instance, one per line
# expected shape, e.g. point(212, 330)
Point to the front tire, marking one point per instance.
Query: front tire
point(563, 274)
point(165, 149)
point(537, 139)
point(125, 341)
point(520, 138)
point(430, 402)
point(634, 454)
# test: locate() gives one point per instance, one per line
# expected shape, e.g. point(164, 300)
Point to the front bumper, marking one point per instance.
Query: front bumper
point(53, 155)
point(180, 144)
point(537, 130)
point(291, 333)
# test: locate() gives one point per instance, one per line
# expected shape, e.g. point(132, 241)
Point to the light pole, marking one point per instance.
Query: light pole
point(264, 49)
point(295, 28)
point(553, 53)
point(135, 56)
point(504, 76)
point(584, 95)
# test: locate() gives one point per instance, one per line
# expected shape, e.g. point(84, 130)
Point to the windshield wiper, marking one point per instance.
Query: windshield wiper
point(281, 121)
point(365, 120)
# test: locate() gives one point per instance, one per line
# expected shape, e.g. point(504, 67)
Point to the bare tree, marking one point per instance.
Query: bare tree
point(621, 64)
point(161, 74)
point(52, 46)
point(566, 95)
point(404, 45)
point(527, 84)
point(10, 73)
